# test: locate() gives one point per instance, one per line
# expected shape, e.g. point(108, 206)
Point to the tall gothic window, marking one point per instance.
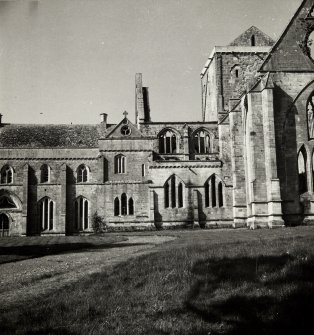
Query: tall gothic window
point(116, 206)
point(202, 142)
point(174, 193)
point(168, 142)
point(82, 174)
point(7, 175)
point(214, 192)
point(123, 206)
point(44, 173)
point(119, 164)
point(180, 195)
point(310, 115)
point(131, 206)
point(46, 213)
point(81, 213)
point(302, 159)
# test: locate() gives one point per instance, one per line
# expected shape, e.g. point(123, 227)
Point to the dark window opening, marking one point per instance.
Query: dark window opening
point(180, 195)
point(82, 174)
point(173, 192)
point(7, 175)
point(167, 143)
point(206, 194)
point(201, 143)
point(81, 213)
point(123, 204)
point(116, 206)
point(44, 173)
point(7, 202)
point(4, 225)
point(167, 195)
point(253, 41)
point(46, 214)
point(302, 161)
point(220, 195)
point(213, 189)
point(131, 207)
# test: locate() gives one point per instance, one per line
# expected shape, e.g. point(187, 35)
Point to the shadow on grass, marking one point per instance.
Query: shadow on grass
point(34, 251)
point(266, 295)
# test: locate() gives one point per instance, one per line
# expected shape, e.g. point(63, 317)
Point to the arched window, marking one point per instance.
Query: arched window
point(214, 196)
point(220, 195)
point(310, 115)
point(124, 207)
point(44, 173)
point(207, 197)
point(202, 142)
point(116, 206)
point(7, 202)
point(81, 213)
point(168, 142)
point(82, 174)
point(180, 195)
point(4, 225)
point(302, 159)
point(131, 206)
point(46, 213)
point(166, 188)
point(253, 42)
point(7, 175)
point(119, 164)
point(174, 193)
point(213, 190)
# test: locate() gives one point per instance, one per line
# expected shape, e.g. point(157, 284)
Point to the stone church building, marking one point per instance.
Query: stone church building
point(249, 162)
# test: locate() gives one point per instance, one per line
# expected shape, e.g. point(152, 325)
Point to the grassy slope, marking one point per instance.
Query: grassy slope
point(205, 282)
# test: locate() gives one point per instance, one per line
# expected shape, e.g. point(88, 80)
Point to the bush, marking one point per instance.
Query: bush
point(97, 223)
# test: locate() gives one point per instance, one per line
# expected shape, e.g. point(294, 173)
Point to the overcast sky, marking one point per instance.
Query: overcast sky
point(65, 61)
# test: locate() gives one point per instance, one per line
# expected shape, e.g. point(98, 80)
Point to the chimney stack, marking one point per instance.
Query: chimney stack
point(142, 109)
point(103, 119)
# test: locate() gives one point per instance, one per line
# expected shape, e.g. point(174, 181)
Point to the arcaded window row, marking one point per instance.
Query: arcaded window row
point(174, 192)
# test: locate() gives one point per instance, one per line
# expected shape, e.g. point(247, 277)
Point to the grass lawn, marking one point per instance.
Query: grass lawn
point(14, 249)
point(204, 282)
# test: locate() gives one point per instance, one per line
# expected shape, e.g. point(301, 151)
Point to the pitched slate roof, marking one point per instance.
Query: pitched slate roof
point(48, 136)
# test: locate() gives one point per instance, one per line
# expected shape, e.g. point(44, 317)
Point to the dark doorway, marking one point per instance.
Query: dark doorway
point(4, 225)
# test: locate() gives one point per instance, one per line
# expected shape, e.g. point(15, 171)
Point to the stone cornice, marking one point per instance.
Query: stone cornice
point(48, 158)
point(187, 166)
